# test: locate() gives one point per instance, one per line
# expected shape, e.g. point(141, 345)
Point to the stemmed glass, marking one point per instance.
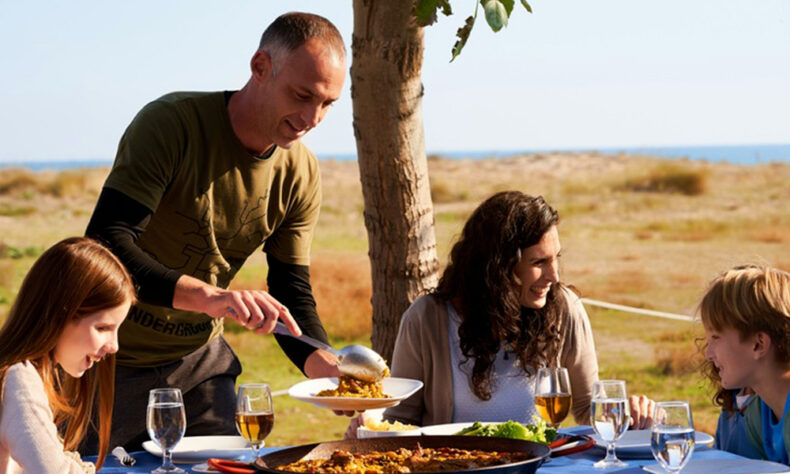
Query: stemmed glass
point(254, 414)
point(611, 416)
point(166, 422)
point(553, 394)
point(672, 440)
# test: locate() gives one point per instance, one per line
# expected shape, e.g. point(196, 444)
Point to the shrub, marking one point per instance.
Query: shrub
point(669, 179)
point(442, 192)
point(67, 183)
point(14, 180)
point(678, 360)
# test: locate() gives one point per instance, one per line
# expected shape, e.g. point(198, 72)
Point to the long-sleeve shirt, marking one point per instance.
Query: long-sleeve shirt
point(29, 440)
point(422, 352)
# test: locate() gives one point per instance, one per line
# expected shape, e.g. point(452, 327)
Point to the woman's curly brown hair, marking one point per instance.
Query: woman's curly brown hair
point(480, 276)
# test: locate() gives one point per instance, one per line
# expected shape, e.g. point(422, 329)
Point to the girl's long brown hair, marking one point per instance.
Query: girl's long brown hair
point(72, 279)
point(480, 276)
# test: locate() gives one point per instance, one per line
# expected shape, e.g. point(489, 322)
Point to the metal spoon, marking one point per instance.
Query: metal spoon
point(354, 360)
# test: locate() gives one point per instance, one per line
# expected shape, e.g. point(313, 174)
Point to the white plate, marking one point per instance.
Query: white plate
point(200, 448)
point(365, 432)
point(397, 388)
point(637, 442)
point(724, 466)
point(450, 428)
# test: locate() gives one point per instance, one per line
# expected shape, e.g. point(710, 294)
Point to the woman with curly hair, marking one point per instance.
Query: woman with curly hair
point(498, 314)
point(56, 357)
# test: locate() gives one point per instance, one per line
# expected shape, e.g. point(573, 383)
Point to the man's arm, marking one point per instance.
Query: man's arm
point(290, 284)
point(118, 221)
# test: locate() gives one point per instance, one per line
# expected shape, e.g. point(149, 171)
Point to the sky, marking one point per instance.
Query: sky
point(574, 74)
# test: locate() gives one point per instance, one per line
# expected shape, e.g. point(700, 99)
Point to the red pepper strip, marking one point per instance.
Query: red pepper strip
point(574, 444)
point(230, 467)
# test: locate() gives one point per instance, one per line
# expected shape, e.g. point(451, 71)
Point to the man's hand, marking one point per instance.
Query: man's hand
point(323, 364)
point(641, 412)
point(254, 309)
point(351, 431)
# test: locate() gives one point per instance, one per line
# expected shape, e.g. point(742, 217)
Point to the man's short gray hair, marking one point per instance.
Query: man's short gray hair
point(291, 30)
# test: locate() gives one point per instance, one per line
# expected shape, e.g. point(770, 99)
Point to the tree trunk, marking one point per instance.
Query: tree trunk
point(386, 91)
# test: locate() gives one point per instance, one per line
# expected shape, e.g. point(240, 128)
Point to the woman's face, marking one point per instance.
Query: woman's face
point(538, 269)
point(88, 339)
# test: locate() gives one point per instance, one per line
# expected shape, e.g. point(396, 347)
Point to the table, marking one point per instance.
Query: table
point(575, 463)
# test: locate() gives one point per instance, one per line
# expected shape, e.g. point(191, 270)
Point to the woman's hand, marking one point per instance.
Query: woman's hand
point(351, 431)
point(641, 412)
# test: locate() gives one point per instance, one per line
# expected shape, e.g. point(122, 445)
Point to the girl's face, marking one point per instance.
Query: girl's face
point(538, 269)
point(732, 356)
point(88, 339)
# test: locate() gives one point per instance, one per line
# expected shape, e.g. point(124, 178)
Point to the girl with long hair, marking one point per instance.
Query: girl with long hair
point(56, 357)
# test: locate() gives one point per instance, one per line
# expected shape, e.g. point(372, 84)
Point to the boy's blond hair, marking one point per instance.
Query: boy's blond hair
point(751, 299)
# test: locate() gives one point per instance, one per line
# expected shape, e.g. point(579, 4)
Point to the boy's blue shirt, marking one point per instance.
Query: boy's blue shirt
point(731, 434)
point(754, 429)
point(773, 439)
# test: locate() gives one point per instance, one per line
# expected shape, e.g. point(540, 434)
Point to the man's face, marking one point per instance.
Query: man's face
point(297, 92)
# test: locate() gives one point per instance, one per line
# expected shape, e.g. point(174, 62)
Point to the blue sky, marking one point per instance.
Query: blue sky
point(574, 74)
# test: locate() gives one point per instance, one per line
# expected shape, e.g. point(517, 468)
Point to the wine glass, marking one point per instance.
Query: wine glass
point(166, 422)
point(672, 435)
point(611, 416)
point(254, 414)
point(553, 394)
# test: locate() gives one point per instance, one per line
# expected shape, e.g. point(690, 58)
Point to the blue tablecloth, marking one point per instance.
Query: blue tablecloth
point(576, 463)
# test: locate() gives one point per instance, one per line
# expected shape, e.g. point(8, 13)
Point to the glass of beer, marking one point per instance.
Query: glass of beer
point(553, 394)
point(254, 414)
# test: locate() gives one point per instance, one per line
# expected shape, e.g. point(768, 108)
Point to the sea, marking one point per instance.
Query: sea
point(736, 154)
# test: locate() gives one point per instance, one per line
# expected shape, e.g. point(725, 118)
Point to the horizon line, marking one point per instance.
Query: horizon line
point(473, 152)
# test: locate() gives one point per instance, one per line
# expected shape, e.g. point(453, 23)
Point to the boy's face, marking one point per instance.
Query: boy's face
point(732, 356)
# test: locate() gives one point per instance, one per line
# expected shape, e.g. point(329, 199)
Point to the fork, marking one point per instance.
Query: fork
point(125, 458)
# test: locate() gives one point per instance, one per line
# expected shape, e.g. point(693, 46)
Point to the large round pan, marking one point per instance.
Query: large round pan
point(537, 452)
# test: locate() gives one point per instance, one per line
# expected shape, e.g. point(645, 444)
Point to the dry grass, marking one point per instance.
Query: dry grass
point(7, 274)
point(654, 248)
point(770, 235)
point(671, 179)
point(342, 291)
point(444, 192)
point(17, 180)
point(24, 183)
point(678, 360)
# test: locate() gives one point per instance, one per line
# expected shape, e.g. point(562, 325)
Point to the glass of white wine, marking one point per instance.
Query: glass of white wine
point(611, 416)
point(672, 440)
point(166, 422)
point(553, 394)
point(254, 414)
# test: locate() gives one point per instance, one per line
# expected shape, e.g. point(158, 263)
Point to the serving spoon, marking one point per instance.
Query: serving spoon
point(354, 360)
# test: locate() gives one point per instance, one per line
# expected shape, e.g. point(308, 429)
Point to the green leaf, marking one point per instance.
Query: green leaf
point(463, 35)
point(446, 8)
point(425, 10)
point(497, 12)
point(526, 5)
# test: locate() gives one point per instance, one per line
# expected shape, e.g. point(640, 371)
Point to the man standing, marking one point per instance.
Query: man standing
point(200, 181)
